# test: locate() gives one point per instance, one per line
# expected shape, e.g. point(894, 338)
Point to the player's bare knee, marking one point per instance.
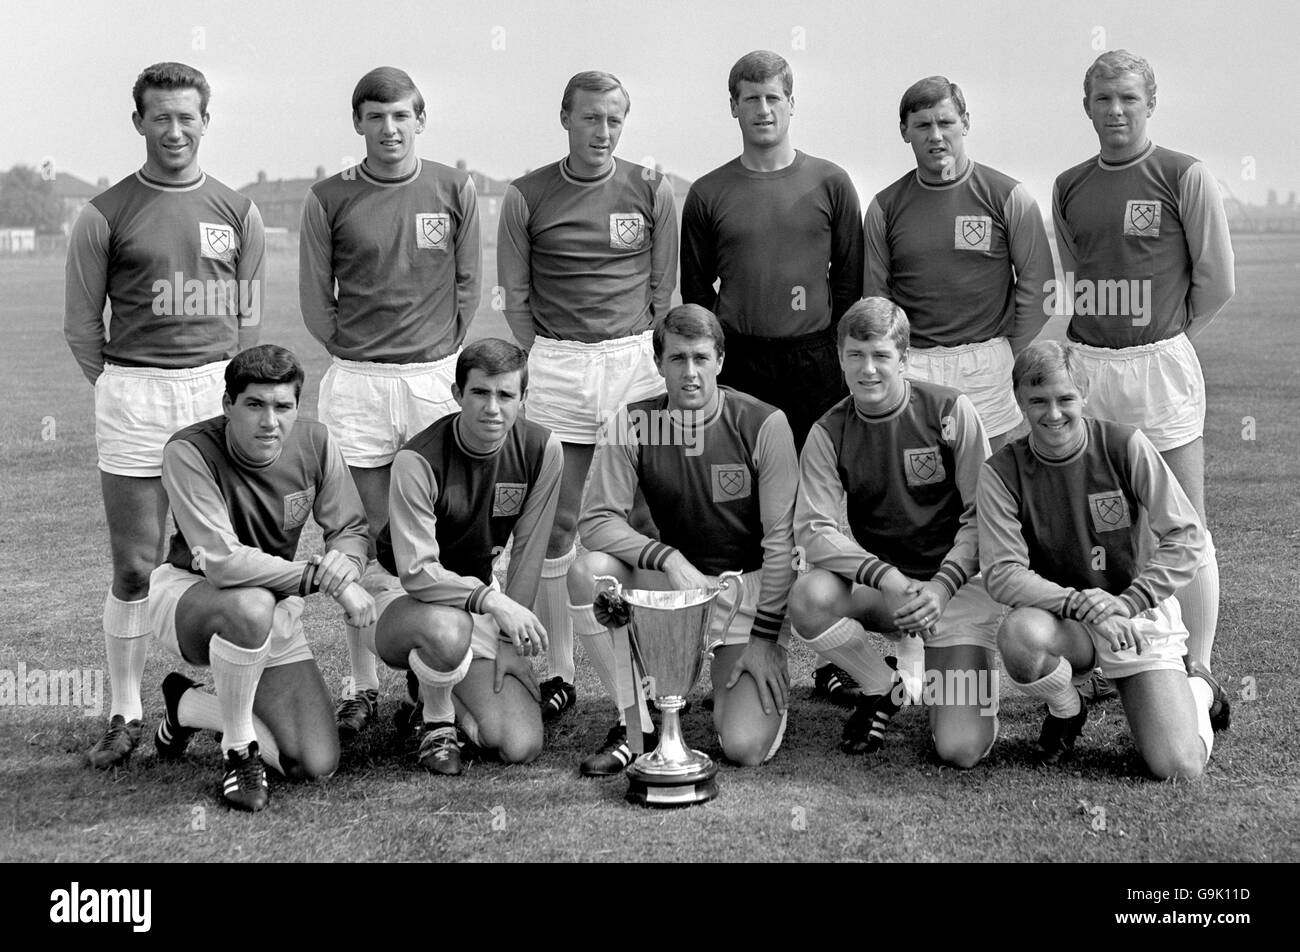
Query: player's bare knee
point(1025, 644)
point(519, 745)
point(1176, 765)
point(131, 578)
point(315, 763)
point(246, 617)
point(961, 749)
point(584, 568)
point(811, 599)
point(745, 748)
point(443, 643)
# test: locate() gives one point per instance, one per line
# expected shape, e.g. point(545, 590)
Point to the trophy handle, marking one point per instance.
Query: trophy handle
point(726, 581)
point(606, 583)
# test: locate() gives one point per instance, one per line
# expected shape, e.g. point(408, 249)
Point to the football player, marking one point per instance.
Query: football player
point(388, 282)
point(587, 258)
point(180, 259)
point(1062, 517)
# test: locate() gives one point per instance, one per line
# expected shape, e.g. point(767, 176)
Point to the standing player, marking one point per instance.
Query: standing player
point(718, 470)
point(587, 256)
point(780, 234)
point(388, 281)
point(230, 594)
point(1062, 515)
point(907, 455)
point(962, 249)
point(1150, 223)
point(180, 259)
point(460, 489)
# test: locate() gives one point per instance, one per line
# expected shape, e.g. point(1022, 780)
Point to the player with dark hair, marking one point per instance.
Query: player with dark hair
point(388, 282)
point(587, 257)
point(460, 489)
point(779, 233)
point(905, 455)
point(718, 470)
point(1063, 513)
point(180, 259)
point(230, 594)
point(962, 249)
point(1148, 263)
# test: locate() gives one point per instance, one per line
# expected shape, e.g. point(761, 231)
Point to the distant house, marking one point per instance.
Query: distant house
point(74, 193)
point(280, 201)
point(1272, 217)
point(17, 241)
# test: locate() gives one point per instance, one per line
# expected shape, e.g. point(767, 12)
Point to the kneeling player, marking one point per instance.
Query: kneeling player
point(717, 468)
point(1061, 521)
point(230, 594)
point(459, 489)
point(906, 454)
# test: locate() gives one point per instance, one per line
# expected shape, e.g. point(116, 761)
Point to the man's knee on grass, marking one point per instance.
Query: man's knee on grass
point(1026, 642)
point(814, 600)
point(316, 762)
point(515, 736)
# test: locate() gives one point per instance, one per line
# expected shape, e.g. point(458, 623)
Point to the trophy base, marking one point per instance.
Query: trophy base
point(660, 791)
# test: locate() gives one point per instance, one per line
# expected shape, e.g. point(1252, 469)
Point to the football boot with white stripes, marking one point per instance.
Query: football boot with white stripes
point(615, 756)
point(171, 738)
point(114, 749)
point(864, 731)
point(558, 698)
point(439, 748)
point(1220, 709)
point(244, 786)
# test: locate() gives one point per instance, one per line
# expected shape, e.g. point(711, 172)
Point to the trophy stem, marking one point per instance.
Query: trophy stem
point(672, 746)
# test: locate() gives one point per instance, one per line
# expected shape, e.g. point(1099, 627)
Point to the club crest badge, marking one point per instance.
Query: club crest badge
point(626, 231)
point(508, 499)
point(973, 233)
point(432, 230)
point(731, 481)
point(217, 242)
point(924, 466)
point(297, 507)
point(1142, 218)
point(1109, 511)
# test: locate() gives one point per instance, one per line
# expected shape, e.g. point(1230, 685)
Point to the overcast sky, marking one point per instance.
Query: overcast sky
point(282, 75)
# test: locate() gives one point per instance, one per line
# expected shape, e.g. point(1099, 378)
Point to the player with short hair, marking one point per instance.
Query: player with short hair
point(180, 259)
point(388, 282)
point(460, 489)
point(230, 594)
point(962, 248)
point(1063, 517)
point(587, 258)
point(780, 234)
point(1148, 262)
point(718, 469)
point(906, 455)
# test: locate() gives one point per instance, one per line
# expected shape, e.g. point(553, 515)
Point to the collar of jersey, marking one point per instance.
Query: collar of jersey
point(888, 415)
point(465, 447)
point(970, 170)
point(1117, 166)
point(168, 186)
point(243, 461)
point(574, 180)
point(374, 179)
point(1063, 460)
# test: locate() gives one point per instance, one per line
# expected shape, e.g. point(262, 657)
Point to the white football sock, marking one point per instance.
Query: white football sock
point(845, 644)
point(435, 686)
point(202, 710)
point(1199, 601)
point(1203, 694)
point(236, 672)
point(365, 673)
point(552, 610)
point(126, 641)
point(598, 644)
point(1057, 689)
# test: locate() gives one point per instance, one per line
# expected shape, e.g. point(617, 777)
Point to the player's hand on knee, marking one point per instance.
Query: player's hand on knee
point(1121, 634)
point(923, 610)
point(510, 662)
point(519, 624)
point(358, 605)
point(334, 571)
point(1098, 604)
point(766, 663)
point(682, 574)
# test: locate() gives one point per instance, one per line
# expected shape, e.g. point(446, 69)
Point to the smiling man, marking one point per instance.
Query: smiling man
point(230, 595)
point(461, 488)
point(587, 257)
point(1062, 516)
point(905, 457)
point(180, 259)
point(718, 470)
point(1151, 221)
point(389, 282)
point(963, 250)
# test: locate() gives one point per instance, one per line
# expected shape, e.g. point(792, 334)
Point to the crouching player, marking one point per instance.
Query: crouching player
point(718, 471)
point(1061, 515)
point(459, 489)
point(907, 455)
point(230, 594)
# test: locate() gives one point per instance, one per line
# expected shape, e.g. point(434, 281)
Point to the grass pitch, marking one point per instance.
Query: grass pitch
point(810, 803)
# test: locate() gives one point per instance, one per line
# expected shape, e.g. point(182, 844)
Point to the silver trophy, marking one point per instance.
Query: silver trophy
point(669, 634)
